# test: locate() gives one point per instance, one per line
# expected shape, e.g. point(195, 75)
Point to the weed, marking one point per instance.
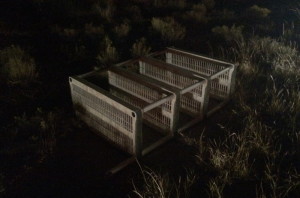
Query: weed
point(106, 11)
point(257, 12)
point(40, 131)
point(271, 177)
point(216, 187)
point(259, 54)
point(275, 187)
point(292, 183)
point(140, 48)
point(226, 15)
point(169, 29)
point(109, 55)
point(230, 158)
point(17, 66)
point(155, 185)
point(198, 13)
point(163, 186)
point(122, 30)
point(230, 34)
point(90, 28)
point(69, 32)
point(186, 184)
point(48, 130)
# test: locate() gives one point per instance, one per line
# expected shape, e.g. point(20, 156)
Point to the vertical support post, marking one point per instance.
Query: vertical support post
point(71, 89)
point(205, 94)
point(142, 67)
point(111, 78)
point(232, 76)
point(175, 106)
point(169, 58)
point(138, 133)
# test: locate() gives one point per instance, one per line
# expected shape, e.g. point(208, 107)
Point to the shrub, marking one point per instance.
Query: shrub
point(106, 11)
point(257, 19)
point(277, 54)
point(225, 15)
point(69, 32)
point(230, 158)
point(140, 48)
point(66, 32)
point(256, 53)
point(272, 54)
point(169, 29)
point(122, 30)
point(257, 12)
point(38, 132)
point(90, 28)
point(48, 132)
point(107, 56)
point(234, 156)
point(198, 13)
point(282, 97)
point(17, 66)
point(230, 34)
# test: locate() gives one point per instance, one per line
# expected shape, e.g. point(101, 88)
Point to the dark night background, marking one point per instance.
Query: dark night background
point(248, 149)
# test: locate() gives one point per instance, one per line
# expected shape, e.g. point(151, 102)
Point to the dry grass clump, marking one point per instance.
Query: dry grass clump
point(256, 11)
point(258, 54)
point(230, 34)
point(122, 30)
point(36, 135)
point(163, 186)
point(155, 185)
point(106, 9)
point(90, 28)
point(231, 157)
point(216, 188)
point(17, 66)
point(140, 48)
point(226, 15)
point(168, 28)
point(198, 13)
point(108, 55)
point(262, 150)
